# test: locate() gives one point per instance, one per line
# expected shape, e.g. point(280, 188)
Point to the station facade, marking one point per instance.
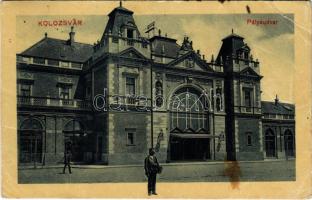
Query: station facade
point(111, 101)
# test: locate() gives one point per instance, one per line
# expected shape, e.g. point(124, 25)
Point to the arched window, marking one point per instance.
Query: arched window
point(73, 126)
point(30, 141)
point(188, 110)
point(31, 124)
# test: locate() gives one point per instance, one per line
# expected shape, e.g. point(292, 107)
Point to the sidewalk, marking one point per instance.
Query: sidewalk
point(277, 170)
point(102, 166)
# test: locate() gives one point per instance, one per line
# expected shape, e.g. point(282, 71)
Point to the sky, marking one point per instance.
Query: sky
point(273, 45)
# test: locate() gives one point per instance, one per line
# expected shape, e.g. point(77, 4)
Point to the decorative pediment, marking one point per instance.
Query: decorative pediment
point(64, 81)
point(202, 131)
point(25, 75)
point(190, 60)
point(132, 53)
point(176, 130)
point(189, 130)
point(248, 71)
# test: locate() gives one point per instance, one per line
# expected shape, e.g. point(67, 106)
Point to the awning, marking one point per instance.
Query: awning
point(186, 135)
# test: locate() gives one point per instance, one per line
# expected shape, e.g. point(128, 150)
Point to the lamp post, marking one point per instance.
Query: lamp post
point(151, 77)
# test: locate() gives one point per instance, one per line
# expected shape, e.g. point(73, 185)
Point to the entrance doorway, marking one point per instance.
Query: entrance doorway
point(270, 144)
point(189, 148)
point(74, 140)
point(289, 143)
point(30, 141)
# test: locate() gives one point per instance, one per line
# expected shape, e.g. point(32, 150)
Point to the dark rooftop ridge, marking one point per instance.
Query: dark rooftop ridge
point(157, 37)
point(58, 49)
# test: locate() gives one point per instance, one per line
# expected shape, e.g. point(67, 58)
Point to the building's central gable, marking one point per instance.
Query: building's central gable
point(190, 60)
point(132, 53)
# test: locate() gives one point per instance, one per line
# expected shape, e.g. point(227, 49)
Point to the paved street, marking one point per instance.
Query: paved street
point(173, 172)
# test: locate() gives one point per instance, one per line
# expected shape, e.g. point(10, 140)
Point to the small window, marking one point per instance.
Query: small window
point(129, 33)
point(64, 92)
point(130, 86)
point(53, 62)
point(247, 99)
point(246, 55)
point(25, 90)
point(39, 61)
point(130, 136)
point(249, 139)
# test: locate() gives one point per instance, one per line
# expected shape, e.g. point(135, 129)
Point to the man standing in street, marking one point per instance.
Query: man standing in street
point(151, 167)
point(67, 159)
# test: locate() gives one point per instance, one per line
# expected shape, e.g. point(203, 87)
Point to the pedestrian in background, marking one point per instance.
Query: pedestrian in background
point(67, 160)
point(151, 167)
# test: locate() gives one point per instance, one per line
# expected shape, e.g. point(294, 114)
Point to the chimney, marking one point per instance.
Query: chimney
point(276, 100)
point(45, 34)
point(71, 36)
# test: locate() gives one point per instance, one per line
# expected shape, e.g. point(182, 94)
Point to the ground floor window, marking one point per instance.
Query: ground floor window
point(130, 132)
point(249, 139)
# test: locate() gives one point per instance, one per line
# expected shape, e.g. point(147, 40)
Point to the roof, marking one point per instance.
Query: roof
point(57, 49)
point(171, 48)
point(277, 108)
point(121, 9)
point(233, 35)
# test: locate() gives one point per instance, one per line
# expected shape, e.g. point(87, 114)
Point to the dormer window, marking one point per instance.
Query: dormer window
point(39, 61)
point(130, 33)
point(246, 55)
point(53, 62)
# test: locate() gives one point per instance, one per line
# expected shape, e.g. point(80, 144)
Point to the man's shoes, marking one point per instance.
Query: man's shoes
point(154, 193)
point(149, 194)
